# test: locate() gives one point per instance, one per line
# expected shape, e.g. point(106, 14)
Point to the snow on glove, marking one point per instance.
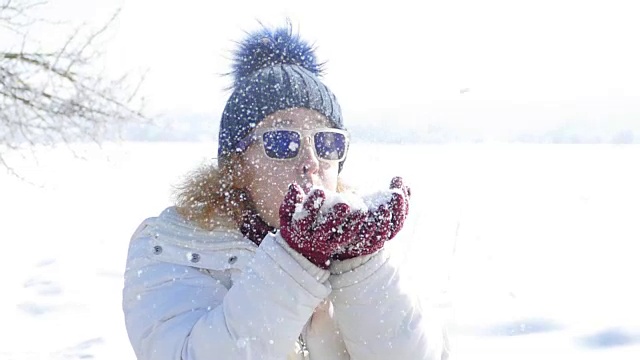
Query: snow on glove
point(314, 235)
point(385, 218)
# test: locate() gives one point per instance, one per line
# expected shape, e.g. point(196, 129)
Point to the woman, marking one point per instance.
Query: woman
point(266, 255)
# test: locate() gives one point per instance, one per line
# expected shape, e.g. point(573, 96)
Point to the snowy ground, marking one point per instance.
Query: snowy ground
point(545, 262)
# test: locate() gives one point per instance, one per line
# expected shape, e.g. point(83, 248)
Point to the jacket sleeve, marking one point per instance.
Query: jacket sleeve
point(181, 312)
point(378, 315)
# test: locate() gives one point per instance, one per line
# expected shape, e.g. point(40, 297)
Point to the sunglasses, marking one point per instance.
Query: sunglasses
point(329, 144)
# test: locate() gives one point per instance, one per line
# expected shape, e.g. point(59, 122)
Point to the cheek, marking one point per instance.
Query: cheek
point(265, 170)
point(269, 180)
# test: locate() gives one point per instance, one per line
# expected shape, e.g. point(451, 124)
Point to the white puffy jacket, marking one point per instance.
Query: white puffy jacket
point(192, 294)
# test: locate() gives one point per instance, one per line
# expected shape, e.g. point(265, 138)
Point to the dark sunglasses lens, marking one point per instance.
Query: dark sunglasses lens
point(281, 144)
point(330, 145)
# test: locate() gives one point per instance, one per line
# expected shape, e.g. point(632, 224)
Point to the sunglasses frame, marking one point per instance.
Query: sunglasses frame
point(309, 134)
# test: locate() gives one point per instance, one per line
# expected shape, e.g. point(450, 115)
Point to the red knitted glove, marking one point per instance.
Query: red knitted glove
point(315, 237)
point(399, 205)
point(385, 218)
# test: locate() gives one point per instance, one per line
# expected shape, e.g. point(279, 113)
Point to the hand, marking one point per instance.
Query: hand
point(383, 222)
point(399, 205)
point(315, 237)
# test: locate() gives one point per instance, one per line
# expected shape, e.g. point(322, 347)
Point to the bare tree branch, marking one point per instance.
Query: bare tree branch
point(14, 15)
point(52, 97)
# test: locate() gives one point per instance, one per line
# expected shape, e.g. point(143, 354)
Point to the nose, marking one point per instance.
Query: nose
point(309, 163)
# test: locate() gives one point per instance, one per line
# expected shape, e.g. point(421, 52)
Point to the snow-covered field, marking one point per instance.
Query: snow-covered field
point(536, 245)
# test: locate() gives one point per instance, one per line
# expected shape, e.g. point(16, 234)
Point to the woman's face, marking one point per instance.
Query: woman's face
point(267, 179)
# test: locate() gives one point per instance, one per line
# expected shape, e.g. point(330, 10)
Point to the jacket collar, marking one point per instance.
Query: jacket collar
point(171, 227)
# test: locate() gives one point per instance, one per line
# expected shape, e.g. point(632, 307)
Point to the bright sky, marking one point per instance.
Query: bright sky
point(452, 53)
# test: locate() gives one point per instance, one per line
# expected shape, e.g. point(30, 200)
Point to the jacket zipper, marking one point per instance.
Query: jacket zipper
point(303, 348)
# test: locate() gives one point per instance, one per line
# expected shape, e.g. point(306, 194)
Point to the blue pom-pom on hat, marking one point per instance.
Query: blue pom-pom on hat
point(269, 47)
point(273, 69)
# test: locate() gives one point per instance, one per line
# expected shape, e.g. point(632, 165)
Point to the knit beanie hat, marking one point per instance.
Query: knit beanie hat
point(273, 69)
